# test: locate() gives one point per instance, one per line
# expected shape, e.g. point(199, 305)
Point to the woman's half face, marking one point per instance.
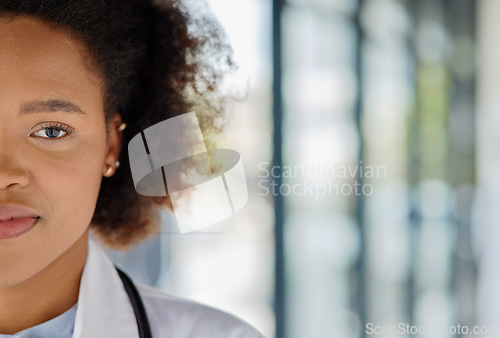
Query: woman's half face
point(52, 142)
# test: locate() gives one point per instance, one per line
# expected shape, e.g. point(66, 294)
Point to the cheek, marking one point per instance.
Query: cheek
point(70, 182)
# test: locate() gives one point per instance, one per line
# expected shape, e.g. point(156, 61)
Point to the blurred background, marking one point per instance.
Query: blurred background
point(370, 139)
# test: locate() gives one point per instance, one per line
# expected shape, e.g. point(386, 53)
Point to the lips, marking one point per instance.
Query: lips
point(8, 212)
point(15, 221)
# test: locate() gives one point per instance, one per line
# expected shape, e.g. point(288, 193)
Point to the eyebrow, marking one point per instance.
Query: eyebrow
point(50, 106)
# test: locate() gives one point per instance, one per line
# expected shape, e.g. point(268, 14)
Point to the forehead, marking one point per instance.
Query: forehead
point(36, 55)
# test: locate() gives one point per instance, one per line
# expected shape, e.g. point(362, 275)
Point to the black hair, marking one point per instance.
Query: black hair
point(156, 60)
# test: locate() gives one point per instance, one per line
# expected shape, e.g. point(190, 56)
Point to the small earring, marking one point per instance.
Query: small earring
point(109, 171)
point(122, 126)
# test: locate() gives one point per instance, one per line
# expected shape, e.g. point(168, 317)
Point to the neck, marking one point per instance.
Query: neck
point(46, 295)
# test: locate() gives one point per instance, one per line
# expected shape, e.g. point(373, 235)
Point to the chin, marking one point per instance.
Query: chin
point(11, 277)
point(20, 267)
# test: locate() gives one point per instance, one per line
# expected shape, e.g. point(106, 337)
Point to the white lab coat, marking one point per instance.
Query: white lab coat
point(104, 309)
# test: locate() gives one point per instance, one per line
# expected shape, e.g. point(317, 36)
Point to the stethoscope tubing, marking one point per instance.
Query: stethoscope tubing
point(137, 304)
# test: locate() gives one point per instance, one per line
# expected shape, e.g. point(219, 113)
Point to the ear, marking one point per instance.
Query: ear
point(114, 139)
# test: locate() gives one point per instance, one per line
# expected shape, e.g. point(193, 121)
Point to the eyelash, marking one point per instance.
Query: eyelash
point(59, 127)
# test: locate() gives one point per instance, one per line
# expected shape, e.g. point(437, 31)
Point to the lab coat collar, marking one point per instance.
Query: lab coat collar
point(104, 309)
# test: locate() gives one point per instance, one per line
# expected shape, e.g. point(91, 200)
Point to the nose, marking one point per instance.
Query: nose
point(12, 173)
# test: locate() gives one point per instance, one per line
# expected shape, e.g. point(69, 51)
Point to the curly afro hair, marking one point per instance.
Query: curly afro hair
point(157, 60)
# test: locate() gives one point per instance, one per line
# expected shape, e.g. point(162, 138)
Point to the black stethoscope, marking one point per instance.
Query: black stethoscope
point(139, 310)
